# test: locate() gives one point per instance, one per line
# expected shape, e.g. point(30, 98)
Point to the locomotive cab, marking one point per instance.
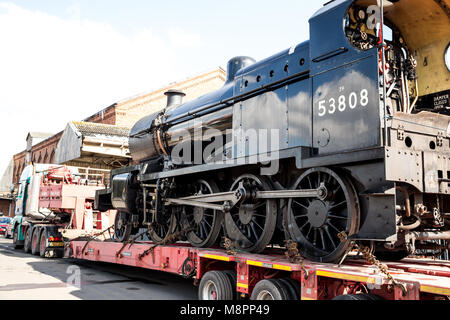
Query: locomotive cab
point(416, 35)
point(347, 65)
point(389, 87)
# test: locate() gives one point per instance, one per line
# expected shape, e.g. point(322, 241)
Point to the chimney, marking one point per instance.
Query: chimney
point(174, 98)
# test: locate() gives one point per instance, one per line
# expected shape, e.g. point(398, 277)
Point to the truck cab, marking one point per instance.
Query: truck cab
point(26, 202)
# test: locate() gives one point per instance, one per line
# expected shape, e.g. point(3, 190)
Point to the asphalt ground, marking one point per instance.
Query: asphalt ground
point(27, 277)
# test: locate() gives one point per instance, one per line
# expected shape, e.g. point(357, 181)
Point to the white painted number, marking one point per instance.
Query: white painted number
point(364, 97)
point(322, 108)
point(353, 100)
point(332, 106)
point(342, 103)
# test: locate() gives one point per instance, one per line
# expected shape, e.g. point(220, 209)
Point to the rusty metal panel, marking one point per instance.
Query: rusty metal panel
point(404, 166)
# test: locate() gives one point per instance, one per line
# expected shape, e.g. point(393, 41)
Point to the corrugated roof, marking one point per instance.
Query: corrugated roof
point(89, 128)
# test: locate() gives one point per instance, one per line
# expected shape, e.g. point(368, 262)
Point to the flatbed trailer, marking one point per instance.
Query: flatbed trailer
point(223, 275)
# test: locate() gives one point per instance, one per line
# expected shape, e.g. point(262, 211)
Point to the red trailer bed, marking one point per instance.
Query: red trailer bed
point(422, 279)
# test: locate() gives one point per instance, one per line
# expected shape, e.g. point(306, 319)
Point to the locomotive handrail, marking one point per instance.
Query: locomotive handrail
point(330, 54)
point(240, 97)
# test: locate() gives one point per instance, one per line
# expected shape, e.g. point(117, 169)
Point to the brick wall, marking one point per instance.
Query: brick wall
point(132, 110)
point(4, 207)
point(106, 116)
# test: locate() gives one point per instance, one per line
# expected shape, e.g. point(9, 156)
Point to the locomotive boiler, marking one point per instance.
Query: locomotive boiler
point(347, 132)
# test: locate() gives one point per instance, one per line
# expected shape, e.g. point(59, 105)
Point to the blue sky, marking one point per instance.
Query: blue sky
point(65, 60)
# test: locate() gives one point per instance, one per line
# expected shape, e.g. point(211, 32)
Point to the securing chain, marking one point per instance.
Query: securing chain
point(229, 247)
point(367, 254)
point(129, 242)
point(89, 239)
point(231, 250)
point(170, 239)
point(294, 256)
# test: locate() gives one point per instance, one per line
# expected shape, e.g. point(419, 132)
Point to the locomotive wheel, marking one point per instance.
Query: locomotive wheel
point(251, 223)
point(206, 223)
point(315, 223)
point(122, 227)
point(159, 232)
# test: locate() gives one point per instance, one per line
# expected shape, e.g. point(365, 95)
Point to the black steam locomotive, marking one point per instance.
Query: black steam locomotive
point(341, 133)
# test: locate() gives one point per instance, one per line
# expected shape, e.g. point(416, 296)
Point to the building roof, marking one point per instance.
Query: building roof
point(92, 129)
point(94, 144)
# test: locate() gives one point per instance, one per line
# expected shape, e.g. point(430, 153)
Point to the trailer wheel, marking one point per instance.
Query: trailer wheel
point(27, 242)
point(35, 241)
point(293, 287)
point(358, 297)
point(270, 289)
point(43, 243)
point(16, 239)
point(216, 285)
point(233, 278)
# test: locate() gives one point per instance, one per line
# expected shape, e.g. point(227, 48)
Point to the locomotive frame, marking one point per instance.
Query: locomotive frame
point(348, 119)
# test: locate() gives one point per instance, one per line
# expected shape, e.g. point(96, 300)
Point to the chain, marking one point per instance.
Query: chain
point(130, 242)
point(173, 238)
point(294, 255)
point(91, 238)
point(229, 247)
point(367, 254)
point(231, 250)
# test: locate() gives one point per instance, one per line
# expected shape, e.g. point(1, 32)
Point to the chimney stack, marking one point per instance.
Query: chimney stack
point(174, 98)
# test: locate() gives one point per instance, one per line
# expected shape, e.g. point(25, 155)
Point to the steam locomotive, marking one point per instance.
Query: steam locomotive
point(347, 132)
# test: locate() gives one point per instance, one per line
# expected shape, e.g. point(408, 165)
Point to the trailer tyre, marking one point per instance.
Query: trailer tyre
point(270, 289)
point(43, 243)
point(232, 275)
point(16, 239)
point(293, 288)
point(216, 285)
point(27, 242)
point(35, 241)
point(358, 297)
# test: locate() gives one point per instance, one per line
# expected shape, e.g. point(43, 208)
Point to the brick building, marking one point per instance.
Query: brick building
point(123, 114)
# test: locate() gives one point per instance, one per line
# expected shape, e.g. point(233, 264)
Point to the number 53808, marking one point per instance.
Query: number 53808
point(343, 102)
